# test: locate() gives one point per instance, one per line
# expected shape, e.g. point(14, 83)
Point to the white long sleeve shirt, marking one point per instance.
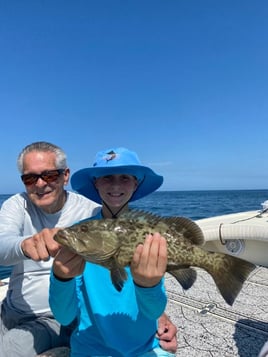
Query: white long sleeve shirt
point(20, 219)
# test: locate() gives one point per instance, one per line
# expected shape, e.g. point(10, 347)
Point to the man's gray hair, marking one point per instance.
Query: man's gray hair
point(43, 146)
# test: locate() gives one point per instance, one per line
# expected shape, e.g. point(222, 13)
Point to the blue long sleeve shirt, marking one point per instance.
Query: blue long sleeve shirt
point(110, 323)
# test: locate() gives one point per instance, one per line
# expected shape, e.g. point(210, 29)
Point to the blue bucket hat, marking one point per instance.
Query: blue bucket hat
point(111, 162)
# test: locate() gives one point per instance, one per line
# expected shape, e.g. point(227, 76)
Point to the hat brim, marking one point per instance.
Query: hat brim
point(82, 181)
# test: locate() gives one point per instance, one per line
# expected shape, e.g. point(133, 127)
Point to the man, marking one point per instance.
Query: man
point(27, 226)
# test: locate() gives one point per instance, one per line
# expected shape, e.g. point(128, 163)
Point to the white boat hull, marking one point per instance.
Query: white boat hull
point(243, 234)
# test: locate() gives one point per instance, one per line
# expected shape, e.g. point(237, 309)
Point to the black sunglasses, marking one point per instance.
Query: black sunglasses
point(48, 176)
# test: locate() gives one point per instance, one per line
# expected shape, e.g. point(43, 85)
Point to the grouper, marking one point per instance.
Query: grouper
point(112, 242)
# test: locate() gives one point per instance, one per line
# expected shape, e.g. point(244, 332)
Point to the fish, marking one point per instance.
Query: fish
point(111, 243)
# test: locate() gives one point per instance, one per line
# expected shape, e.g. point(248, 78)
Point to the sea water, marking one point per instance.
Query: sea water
point(191, 204)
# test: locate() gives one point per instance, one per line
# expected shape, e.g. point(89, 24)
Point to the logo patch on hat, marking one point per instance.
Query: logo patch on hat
point(110, 156)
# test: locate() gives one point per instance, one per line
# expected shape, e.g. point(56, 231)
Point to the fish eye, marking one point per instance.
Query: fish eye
point(84, 228)
point(120, 229)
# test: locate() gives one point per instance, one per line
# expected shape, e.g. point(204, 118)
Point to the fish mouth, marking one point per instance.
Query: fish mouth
point(61, 236)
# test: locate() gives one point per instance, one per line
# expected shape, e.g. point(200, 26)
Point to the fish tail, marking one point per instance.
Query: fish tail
point(231, 275)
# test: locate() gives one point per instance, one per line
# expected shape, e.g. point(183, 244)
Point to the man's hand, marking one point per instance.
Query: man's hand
point(149, 261)
point(167, 334)
point(41, 246)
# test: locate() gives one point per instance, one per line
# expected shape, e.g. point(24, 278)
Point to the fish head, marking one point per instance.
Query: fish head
point(89, 239)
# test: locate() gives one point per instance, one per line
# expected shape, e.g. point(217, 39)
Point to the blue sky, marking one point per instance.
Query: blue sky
point(184, 83)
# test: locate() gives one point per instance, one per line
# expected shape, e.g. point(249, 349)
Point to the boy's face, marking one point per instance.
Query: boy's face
point(116, 190)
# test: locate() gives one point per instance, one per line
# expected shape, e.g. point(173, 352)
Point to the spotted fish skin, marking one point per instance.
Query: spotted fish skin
point(112, 242)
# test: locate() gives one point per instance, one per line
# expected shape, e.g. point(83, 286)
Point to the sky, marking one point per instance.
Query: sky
point(184, 83)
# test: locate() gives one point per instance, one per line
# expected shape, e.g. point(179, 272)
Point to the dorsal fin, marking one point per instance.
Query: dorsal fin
point(140, 215)
point(186, 226)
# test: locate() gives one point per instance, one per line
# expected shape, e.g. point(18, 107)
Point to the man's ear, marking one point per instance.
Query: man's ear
point(66, 176)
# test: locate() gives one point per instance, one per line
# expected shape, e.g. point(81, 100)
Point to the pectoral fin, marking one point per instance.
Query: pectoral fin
point(118, 276)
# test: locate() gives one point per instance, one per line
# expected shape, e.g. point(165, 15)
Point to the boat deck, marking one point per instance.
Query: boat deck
point(208, 327)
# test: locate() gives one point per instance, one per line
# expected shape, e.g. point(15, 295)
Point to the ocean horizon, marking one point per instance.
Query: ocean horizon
point(196, 204)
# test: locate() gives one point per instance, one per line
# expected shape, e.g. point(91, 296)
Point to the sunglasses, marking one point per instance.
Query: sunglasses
point(48, 176)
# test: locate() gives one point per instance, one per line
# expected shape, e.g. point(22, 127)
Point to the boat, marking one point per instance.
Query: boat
point(3, 288)
point(207, 325)
point(243, 234)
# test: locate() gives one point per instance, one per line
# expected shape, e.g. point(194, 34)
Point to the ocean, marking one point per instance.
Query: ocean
point(191, 204)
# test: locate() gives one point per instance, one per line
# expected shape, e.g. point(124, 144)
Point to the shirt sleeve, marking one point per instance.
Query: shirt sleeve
point(152, 301)
point(11, 232)
point(63, 299)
